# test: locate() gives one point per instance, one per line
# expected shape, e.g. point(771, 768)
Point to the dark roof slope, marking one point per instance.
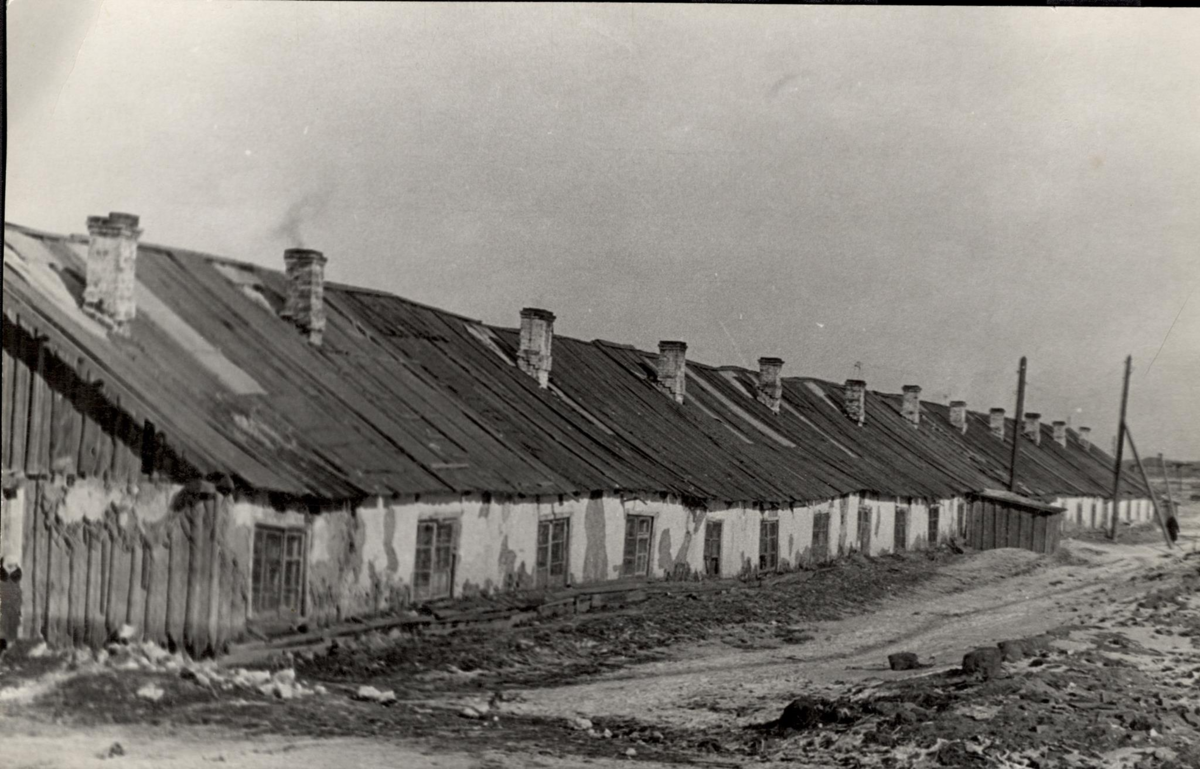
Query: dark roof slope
point(402, 398)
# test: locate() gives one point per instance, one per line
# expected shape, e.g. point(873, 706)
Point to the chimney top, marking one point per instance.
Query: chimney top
point(672, 368)
point(305, 304)
point(109, 294)
point(535, 313)
point(129, 221)
point(955, 404)
point(770, 389)
point(996, 411)
point(855, 400)
point(536, 343)
point(911, 406)
point(1032, 415)
point(304, 254)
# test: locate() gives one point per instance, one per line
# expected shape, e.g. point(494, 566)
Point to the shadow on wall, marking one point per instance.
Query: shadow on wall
point(595, 557)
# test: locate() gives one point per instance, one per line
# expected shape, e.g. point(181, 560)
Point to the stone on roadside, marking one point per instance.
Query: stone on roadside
point(1037, 643)
point(151, 692)
point(903, 661)
point(1012, 651)
point(581, 724)
point(154, 652)
point(41, 650)
point(102, 657)
point(631, 752)
point(285, 676)
point(371, 694)
point(801, 713)
point(985, 661)
point(126, 633)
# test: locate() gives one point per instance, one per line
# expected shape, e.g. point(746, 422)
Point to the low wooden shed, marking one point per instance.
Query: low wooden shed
point(1004, 519)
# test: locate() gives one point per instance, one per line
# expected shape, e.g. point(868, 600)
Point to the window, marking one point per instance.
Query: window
point(712, 548)
point(639, 532)
point(935, 513)
point(961, 522)
point(820, 536)
point(1093, 515)
point(1079, 512)
point(433, 576)
point(843, 508)
point(552, 552)
point(864, 528)
point(900, 538)
point(768, 545)
point(277, 576)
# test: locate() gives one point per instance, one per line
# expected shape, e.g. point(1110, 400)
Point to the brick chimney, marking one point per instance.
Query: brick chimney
point(770, 388)
point(911, 407)
point(672, 368)
point(537, 336)
point(1033, 427)
point(1085, 437)
point(1060, 433)
point(305, 306)
point(111, 269)
point(996, 420)
point(854, 399)
point(958, 415)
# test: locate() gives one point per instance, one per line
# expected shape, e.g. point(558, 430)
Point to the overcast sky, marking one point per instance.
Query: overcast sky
point(930, 192)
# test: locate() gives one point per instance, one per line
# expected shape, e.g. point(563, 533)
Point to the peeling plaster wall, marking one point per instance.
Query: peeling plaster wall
point(883, 525)
point(739, 539)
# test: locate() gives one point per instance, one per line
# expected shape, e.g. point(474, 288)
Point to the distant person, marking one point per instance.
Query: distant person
point(1172, 527)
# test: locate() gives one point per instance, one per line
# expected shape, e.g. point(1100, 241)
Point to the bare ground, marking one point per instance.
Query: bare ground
point(699, 678)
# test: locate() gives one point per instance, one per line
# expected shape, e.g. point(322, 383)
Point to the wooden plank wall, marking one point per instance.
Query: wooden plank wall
point(56, 421)
point(175, 581)
point(992, 525)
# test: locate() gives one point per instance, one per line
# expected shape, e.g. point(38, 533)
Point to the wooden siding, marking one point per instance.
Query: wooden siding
point(175, 581)
point(57, 421)
point(991, 524)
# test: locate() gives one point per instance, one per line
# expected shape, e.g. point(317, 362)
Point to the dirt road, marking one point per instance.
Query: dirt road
point(703, 688)
point(965, 607)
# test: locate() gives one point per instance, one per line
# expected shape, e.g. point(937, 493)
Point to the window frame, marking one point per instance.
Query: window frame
point(864, 532)
point(424, 590)
point(713, 533)
point(820, 534)
point(633, 537)
point(933, 523)
point(900, 524)
point(544, 561)
point(258, 567)
point(768, 531)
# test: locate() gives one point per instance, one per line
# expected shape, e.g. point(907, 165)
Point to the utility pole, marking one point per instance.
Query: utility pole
point(1162, 522)
point(1116, 495)
point(1012, 466)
